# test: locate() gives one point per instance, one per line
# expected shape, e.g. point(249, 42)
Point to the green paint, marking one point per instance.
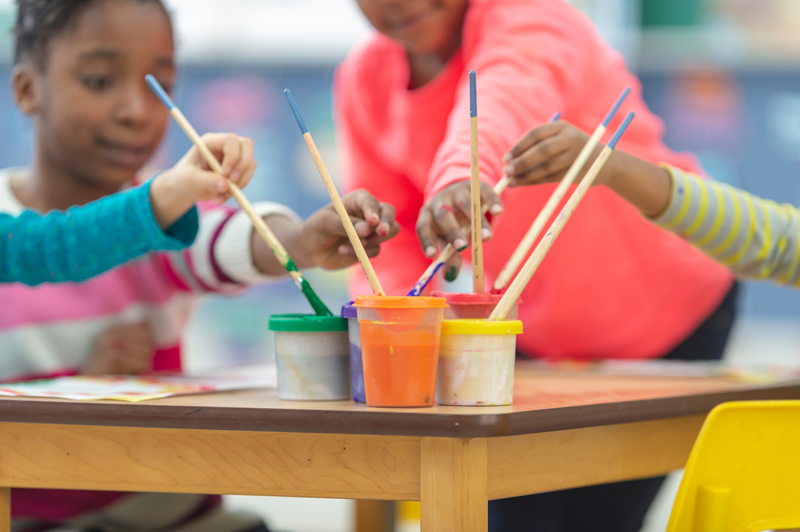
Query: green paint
point(450, 274)
point(316, 303)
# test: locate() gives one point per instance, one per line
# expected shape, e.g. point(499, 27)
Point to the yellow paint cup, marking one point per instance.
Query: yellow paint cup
point(476, 362)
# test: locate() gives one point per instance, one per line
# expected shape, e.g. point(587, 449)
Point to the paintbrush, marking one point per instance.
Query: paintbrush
point(361, 253)
point(521, 281)
point(448, 250)
point(558, 194)
point(475, 190)
point(261, 227)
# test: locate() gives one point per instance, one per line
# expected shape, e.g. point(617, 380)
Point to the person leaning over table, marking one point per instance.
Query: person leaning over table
point(613, 285)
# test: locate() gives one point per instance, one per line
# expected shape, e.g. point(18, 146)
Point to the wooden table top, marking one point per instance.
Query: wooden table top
point(543, 401)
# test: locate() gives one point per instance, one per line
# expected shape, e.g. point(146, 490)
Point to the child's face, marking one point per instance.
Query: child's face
point(422, 26)
point(95, 115)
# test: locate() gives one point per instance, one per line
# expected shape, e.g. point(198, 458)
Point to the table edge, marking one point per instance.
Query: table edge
point(377, 422)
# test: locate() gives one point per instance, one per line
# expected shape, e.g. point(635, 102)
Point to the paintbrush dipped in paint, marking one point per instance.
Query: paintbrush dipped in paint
point(549, 208)
point(448, 250)
point(258, 223)
point(355, 240)
point(532, 264)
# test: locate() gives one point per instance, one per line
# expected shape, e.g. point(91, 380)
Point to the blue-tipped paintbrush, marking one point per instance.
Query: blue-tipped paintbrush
point(521, 281)
point(355, 241)
point(448, 250)
point(258, 222)
point(549, 208)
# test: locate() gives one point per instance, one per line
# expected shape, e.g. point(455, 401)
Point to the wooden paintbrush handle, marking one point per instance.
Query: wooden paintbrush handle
point(547, 211)
point(355, 240)
point(521, 281)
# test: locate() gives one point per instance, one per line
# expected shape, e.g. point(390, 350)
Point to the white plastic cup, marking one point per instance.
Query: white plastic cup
point(476, 362)
point(313, 357)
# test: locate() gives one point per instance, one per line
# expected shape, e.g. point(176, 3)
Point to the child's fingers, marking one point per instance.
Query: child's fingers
point(226, 148)
point(388, 227)
point(490, 198)
point(206, 185)
point(246, 164)
point(533, 137)
point(426, 233)
point(363, 205)
point(537, 155)
point(552, 169)
point(462, 197)
point(446, 220)
point(451, 267)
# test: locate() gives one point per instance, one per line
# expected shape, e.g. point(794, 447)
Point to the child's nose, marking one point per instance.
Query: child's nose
point(133, 106)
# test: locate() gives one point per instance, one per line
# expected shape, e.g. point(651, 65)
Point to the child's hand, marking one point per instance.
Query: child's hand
point(445, 219)
point(121, 350)
point(174, 191)
point(545, 154)
point(325, 240)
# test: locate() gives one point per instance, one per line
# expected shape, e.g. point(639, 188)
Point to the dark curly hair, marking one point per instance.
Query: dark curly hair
point(38, 21)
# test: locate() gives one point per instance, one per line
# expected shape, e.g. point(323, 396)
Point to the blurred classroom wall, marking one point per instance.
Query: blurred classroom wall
point(724, 75)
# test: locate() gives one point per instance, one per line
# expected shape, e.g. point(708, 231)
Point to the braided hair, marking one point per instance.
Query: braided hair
point(38, 21)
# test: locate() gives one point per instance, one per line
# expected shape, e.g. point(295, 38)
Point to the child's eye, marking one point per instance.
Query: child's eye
point(166, 85)
point(97, 82)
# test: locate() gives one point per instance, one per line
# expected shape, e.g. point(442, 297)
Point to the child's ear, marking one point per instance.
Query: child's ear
point(26, 87)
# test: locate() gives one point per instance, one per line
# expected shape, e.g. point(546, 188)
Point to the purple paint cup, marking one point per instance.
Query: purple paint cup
point(356, 366)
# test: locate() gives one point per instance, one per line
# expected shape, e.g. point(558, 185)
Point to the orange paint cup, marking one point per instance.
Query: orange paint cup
point(400, 348)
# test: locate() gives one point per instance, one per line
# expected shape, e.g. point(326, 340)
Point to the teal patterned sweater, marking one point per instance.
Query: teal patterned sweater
point(82, 242)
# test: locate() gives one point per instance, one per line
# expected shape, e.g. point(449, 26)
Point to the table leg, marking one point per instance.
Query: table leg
point(5, 509)
point(454, 492)
point(374, 516)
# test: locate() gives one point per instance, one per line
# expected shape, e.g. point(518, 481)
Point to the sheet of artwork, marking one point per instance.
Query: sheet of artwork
point(135, 389)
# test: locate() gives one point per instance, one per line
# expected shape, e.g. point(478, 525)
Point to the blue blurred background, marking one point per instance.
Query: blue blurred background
point(723, 74)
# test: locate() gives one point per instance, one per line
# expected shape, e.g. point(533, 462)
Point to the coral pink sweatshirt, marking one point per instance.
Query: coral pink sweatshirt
point(613, 285)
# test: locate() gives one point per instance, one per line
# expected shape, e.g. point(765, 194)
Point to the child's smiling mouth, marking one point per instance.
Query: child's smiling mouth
point(129, 156)
point(409, 23)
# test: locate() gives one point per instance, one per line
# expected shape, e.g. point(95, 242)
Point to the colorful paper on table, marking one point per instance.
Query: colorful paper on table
point(132, 389)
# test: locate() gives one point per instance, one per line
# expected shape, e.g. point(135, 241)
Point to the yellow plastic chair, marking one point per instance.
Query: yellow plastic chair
point(744, 471)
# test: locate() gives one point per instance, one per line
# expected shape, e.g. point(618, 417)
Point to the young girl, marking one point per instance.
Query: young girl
point(615, 286)
point(80, 75)
point(754, 237)
point(85, 241)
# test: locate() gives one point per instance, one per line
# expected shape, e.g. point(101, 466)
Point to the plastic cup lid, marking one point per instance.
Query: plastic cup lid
point(481, 327)
point(349, 311)
point(469, 298)
point(306, 323)
point(399, 302)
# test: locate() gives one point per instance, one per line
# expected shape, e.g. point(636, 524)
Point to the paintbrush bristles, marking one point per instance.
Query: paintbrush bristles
point(521, 281)
point(547, 211)
point(355, 240)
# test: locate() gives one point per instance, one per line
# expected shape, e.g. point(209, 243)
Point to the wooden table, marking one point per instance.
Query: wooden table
point(564, 431)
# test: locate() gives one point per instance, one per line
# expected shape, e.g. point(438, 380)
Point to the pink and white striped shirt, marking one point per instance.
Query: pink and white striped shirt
point(51, 329)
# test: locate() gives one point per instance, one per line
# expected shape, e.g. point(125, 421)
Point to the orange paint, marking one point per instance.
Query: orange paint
point(399, 366)
point(400, 348)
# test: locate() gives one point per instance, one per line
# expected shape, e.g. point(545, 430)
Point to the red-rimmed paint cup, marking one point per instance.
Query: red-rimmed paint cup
point(469, 306)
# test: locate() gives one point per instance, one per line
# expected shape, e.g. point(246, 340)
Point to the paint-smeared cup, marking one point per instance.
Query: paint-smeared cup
point(313, 357)
point(469, 306)
point(350, 313)
point(476, 362)
point(400, 348)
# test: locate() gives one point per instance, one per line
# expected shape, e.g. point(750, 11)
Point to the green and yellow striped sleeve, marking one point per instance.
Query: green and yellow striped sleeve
point(754, 237)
